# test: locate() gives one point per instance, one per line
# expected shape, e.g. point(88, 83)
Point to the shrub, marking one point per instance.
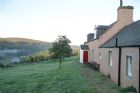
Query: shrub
point(6, 64)
point(37, 57)
point(130, 89)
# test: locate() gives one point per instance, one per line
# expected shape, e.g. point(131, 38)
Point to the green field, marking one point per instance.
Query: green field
point(47, 77)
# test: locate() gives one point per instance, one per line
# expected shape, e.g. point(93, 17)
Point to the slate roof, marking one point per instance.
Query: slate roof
point(129, 36)
point(111, 25)
point(84, 47)
point(101, 29)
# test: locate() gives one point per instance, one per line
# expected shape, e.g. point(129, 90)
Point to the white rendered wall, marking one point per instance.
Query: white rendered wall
point(81, 56)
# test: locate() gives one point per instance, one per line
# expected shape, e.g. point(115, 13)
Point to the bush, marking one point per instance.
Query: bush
point(130, 89)
point(37, 57)
point(6, 64)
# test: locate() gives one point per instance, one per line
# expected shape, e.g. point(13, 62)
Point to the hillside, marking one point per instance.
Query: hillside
point(15, 40)
point(75, 47)
point(13, 49)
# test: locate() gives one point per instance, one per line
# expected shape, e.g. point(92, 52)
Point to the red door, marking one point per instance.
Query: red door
point(85, 57)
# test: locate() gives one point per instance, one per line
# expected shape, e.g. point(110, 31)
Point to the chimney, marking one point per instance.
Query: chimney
point(125, 14)
point(90, 37)
point(100, 29)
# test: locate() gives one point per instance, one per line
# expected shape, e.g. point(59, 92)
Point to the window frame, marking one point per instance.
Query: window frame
point(129, 66)
point(92, 55)
point(100, 56)
point(110, 59)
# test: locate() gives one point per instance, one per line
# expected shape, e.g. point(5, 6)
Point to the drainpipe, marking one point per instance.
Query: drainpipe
point(119, 67)
point(139, 69)
point(119, 63)
point(116, 44)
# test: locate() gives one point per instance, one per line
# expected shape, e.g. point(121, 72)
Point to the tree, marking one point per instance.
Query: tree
point(61, 48)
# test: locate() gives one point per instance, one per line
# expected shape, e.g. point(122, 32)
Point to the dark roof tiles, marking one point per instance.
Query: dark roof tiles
point(84, 47)
point(128, 36)
point(101, 29)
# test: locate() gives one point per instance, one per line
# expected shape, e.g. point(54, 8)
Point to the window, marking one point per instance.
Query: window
point(129, 66)
point(92, 55)
point(110, 58)
point(100, 56)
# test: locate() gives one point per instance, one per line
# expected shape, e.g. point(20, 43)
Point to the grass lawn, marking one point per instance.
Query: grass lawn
point(45, 77)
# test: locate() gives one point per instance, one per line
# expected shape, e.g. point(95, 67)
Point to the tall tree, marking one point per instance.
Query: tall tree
point(61, 48)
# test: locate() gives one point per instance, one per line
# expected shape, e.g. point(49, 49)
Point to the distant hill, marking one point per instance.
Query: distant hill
point(18, 43)
point(13, 49)
point(15, 40)
point(75, 47)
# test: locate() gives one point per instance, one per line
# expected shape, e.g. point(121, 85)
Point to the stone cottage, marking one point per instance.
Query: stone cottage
point(117, 49)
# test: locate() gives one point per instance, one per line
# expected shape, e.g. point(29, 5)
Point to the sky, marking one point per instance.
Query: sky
point(46, 19)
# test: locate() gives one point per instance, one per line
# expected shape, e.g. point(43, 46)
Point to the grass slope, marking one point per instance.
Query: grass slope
point(15, 40)
point(45, 77)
